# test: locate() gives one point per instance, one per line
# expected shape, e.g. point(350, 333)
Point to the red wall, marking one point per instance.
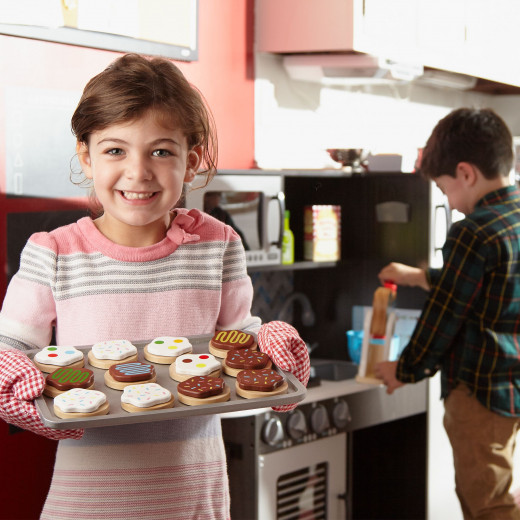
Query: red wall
point(224, 74)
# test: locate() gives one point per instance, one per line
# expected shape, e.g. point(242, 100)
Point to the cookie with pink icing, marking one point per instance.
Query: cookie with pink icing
point(189, 365)
point(52, 357)
point(165, 349)
point(148, 396)
point(107, 353)
point(80, 402)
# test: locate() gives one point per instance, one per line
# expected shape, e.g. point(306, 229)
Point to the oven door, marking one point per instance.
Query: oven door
point(305, 481)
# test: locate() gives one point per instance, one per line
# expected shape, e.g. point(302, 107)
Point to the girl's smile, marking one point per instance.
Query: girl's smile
point(138, 170)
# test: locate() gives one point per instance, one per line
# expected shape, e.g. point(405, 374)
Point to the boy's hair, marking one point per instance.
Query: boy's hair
point(476, 136)
point(132, 85)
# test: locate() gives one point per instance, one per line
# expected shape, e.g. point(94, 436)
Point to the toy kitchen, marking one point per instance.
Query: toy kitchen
point(349, 450)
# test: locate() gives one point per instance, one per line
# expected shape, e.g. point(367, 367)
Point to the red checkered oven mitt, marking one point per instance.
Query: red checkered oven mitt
point(282, 343)
point(20, 383)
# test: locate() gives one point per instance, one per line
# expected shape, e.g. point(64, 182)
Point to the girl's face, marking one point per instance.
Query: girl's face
point(138, 170)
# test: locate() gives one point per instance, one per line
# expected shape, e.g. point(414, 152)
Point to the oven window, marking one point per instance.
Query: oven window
point(242, 210)
point(303, 494)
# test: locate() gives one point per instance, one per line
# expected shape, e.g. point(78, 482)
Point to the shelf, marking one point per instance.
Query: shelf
point(301, 265)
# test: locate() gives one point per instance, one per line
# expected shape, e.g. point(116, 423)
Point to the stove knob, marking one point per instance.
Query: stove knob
point(319, 419)
point(341, 414)
point(296, 425)
point(272, 431)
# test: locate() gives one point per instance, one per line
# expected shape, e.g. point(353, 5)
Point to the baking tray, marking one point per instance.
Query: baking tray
point(117, 416)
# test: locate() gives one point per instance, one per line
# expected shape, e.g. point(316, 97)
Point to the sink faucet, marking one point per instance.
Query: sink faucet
point(308, 318)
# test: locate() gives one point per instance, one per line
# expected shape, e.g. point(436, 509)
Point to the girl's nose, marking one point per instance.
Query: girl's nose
point(139, 168)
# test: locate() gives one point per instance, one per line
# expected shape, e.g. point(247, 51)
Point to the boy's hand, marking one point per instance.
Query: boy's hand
point(402, 274)
point(386, 371)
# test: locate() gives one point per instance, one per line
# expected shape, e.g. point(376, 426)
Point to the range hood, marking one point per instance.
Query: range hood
point(363, 69)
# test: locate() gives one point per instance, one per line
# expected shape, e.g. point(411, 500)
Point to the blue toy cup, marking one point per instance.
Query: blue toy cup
point(355, 343)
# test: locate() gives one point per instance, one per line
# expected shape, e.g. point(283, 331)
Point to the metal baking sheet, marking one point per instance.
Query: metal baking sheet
point(117, 416)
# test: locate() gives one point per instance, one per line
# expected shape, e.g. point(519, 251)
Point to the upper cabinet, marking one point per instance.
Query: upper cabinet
point(473, 37)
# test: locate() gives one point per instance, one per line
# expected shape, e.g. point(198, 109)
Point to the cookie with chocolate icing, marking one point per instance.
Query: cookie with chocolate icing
point(120, 375)
point(203, 390)
point(259, 383)
point(225, 340)
point(67, 378)
point(245, 359)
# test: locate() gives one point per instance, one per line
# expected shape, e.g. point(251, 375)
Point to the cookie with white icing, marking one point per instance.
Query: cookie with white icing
point(52, 357)
point(107, 353)
point(121, 375)
point(146, 397)
point(189, 365)
point(203, 390)
point(225, 340)
point(79, 402)
point(165, 349)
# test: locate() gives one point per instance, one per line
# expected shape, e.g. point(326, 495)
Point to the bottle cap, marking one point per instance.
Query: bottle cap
point(389, 284)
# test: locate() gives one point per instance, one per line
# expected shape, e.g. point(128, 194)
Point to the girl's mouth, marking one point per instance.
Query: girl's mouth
point(132, 195)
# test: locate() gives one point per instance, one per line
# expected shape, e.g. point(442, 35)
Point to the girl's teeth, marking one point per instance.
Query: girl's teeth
point(133, 195)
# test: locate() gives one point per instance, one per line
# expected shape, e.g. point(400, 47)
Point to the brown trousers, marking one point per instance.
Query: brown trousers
point(483, 443)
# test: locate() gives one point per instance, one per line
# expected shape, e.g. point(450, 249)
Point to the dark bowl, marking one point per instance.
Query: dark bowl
point(354, 157)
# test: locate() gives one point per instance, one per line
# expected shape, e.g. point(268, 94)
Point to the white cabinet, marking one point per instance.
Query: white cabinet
point(473, 37)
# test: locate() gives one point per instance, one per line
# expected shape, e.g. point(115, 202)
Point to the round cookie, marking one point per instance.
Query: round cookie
point(146, 397)
point(80, 403)
point(189, 365)
point(107, 353)
point(121, 375)
point(245, 359)
point(51, 358)
point(226, 340)
point(203, 390)
point(260, 383)
point(165, 349)
point(67, 378)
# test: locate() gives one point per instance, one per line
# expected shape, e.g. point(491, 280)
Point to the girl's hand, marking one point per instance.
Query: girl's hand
point(282, 343)
point(20, 383)
point(402, 274)
point(386, 371)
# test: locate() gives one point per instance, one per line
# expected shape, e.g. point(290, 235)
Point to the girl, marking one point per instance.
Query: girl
point(142, 132)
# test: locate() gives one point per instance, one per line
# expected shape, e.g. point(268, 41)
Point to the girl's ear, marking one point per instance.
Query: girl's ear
point(84, 159)
point(193, 161)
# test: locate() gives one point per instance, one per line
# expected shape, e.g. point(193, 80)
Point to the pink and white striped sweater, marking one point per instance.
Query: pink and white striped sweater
point(90, 290)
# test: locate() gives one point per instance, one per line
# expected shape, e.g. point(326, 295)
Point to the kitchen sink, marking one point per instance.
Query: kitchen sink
point(333, 370)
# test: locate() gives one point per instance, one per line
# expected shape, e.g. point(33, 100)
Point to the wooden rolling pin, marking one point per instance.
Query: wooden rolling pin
point(384, 297)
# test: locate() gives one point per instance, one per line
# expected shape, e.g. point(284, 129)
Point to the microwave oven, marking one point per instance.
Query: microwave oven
point(253, 204)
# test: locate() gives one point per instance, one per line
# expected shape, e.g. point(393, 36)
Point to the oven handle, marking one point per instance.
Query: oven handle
point(280, 197)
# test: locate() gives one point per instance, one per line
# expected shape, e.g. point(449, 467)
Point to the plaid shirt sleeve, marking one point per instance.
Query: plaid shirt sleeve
point(454, 289)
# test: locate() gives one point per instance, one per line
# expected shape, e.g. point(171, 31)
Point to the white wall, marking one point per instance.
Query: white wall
point(295, 122)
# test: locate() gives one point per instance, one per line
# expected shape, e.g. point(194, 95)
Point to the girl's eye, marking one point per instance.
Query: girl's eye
point(161, 153)
point(114, 151)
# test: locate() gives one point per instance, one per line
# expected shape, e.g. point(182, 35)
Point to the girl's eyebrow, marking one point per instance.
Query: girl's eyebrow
point(156, 142)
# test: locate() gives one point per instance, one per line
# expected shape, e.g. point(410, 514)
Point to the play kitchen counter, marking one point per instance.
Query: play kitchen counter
point(346, 443)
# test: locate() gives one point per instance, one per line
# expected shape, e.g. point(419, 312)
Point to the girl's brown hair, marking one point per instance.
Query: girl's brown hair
point(131, 86)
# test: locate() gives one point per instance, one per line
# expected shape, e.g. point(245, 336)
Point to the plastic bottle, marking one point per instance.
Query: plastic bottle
point(287, 241)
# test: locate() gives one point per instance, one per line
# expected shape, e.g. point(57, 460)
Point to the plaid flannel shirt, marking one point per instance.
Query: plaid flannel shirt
point(470, 324)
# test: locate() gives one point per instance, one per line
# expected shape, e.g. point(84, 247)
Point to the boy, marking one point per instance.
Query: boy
point(470, 324)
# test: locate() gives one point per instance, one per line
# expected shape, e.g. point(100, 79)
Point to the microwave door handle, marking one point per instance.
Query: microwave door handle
point(280, 197)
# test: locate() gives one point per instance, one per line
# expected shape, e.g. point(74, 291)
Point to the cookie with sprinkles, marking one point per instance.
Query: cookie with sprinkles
point(259, 383)
point(203, 390)
point(245, 359)
point(79, 402)
point(53, 357)
point(107, 353)
point(165, 349)
point(225, 340)
point(146, 397)
point(121, 375)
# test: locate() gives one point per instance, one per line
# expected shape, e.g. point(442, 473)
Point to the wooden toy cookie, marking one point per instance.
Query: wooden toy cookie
point(165, 349)
point(121, 375)
point(245, 359)
point(107, 353)
point(51, 358)
point(260, 383)
point(146, 397)
point(80, 403)
point(225, 340)
point(203, 390)
point(67, 378)
point(189, 365)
